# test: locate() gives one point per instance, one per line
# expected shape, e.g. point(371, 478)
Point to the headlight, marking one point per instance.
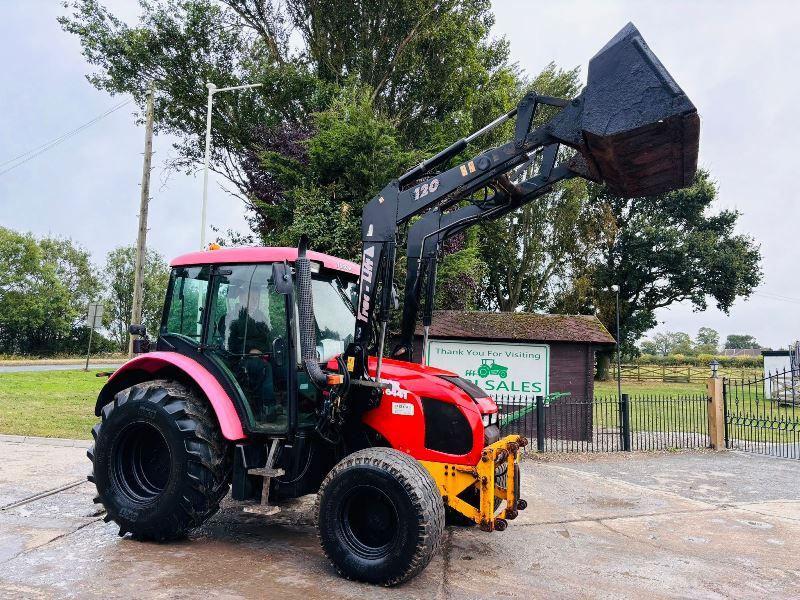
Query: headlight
point(487, 420)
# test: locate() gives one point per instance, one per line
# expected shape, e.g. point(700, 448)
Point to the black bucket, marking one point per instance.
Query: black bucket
point(638, 129)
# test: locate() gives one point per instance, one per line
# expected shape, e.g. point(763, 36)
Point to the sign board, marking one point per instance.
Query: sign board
point(511, 373)
point(95, 315)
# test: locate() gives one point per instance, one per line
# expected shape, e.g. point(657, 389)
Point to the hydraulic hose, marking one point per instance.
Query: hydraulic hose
point(305, 301)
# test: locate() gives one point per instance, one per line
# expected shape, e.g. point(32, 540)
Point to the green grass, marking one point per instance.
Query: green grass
point(639, 388)
point(49, 403)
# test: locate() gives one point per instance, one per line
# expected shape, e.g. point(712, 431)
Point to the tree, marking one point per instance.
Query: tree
point(428, 66)
point(707, 341)
point(660, 250)
point(119, 275)
point(45, 286)
point(326, 181)
point(669, 342)
point(410, 77)
point(741, 341)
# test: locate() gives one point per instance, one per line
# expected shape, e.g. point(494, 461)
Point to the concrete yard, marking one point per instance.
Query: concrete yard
point(700, 524)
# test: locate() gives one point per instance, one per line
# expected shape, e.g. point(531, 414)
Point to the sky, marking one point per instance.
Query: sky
point(736, 59)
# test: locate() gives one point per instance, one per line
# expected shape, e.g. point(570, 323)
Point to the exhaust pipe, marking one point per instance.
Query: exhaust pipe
point(305, 303)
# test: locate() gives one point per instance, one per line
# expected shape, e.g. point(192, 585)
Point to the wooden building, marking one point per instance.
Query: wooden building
point(516, 357)
point(573, 341)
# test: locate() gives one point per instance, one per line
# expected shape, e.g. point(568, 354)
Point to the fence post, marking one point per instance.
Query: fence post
point(716, 412)
point(540, 423)
point(625, 424)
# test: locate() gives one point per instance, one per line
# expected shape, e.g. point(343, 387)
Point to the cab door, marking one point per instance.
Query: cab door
point(247, 337)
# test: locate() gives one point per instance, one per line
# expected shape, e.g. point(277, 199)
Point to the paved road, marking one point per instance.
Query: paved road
point(700, 525)
point(75, 367)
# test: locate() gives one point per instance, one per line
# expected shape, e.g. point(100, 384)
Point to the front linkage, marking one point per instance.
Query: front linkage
point(453, 480)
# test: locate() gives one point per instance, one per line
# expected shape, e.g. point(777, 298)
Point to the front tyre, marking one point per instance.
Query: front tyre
point(160, 463)
point(380, 516)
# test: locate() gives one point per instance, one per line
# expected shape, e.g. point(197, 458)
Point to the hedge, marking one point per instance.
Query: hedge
point(700, 360)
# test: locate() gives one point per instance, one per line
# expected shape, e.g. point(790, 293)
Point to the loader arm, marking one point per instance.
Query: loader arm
point(632, 128)
point(406, 197)
point(425, 238)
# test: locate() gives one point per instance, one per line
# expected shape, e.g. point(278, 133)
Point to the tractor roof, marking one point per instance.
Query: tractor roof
point(261, 255)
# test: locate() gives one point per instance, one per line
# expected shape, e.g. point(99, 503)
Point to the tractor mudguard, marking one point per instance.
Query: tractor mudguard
point(163, 365)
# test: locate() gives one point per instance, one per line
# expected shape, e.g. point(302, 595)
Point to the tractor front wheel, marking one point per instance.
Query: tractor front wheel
point(380, 516)
point(160, 463)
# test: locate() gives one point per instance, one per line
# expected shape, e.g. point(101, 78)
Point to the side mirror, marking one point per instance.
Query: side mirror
point(141, 344)
point(282, 277)
point(139, 330)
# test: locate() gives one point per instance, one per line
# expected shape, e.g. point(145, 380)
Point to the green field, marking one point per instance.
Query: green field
point(49, 403)
point(639, 388)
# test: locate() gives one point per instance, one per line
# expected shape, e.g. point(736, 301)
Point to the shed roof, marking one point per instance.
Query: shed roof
point(528, 327)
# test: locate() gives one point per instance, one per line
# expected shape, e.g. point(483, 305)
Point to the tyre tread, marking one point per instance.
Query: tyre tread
point(209, 461)
point(421, 489)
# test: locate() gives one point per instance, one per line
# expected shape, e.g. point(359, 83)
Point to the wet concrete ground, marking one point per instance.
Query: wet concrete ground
point(641, 525)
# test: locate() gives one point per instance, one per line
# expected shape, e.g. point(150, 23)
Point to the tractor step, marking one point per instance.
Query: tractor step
point(265, 472)
point(264, 508)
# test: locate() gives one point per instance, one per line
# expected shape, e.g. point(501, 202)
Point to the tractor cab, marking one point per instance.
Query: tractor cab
point(233, 312)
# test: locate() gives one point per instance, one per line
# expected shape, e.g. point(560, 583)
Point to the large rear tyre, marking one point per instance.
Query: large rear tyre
point(380, 516)
point(160, 463)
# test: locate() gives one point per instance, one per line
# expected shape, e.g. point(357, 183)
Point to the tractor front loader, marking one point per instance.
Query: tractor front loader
point(268, 377)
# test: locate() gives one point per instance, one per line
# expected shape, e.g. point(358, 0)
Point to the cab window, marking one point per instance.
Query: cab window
point(185, 302)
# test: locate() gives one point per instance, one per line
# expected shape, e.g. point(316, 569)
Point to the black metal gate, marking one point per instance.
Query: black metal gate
point(763, 415)
point(606, 424)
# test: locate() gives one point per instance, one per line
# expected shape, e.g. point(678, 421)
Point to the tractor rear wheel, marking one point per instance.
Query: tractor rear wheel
point(380, 516)
point(160, 463)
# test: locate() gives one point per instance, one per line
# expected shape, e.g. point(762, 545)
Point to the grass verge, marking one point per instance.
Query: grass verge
point(49, 403)
point(641, 388)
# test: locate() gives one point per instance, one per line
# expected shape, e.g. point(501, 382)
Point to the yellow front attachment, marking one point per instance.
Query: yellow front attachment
point(455, 479)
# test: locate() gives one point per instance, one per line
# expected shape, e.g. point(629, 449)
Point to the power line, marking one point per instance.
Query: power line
point(777, 297)
point(21, 159)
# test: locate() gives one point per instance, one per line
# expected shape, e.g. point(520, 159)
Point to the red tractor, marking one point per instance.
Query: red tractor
point(267, 377)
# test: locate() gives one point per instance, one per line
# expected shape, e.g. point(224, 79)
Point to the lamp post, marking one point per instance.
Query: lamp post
point(615, 289)
point(212, 89)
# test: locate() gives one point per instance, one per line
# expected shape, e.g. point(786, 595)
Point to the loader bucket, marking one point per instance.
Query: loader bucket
point(640, 131)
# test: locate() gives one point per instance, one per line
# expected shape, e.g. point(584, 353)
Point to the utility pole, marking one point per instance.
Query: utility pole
point(144, 200)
